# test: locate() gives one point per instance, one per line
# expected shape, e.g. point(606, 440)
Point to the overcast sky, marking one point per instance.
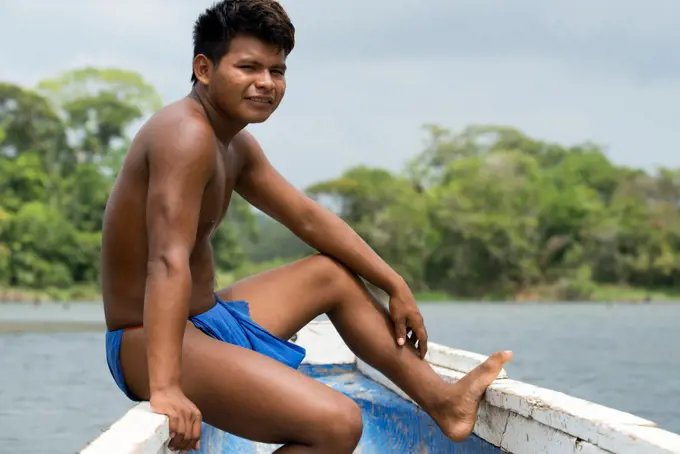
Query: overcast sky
point(366, 74)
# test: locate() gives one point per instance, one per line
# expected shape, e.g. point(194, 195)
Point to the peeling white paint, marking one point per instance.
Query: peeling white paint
point(518, 417)
point(588, 448)
point(491, 423)
point(640, 439)
point(585, 420)
point(531, 437)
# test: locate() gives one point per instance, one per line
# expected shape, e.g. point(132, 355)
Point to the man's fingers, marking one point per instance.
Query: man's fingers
point(411, 337)
point(177, 429)
point(400, 330)
point(188, 440)
point(187, 432)
point(184, 419)
point(417, 325)
point(177, 442)
point(421, 334)
point(196, 431)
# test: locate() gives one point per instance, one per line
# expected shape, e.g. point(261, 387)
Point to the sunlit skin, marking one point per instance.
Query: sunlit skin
point(157, 269)
point(247, 86)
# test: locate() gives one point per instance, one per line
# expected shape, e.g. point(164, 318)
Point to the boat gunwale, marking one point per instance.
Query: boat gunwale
point(510, 412)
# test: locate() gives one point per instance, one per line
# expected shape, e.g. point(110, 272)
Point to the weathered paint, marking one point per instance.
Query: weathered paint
point(524, 419)
point(139, 431)
point(391, 424)
point(518, 417)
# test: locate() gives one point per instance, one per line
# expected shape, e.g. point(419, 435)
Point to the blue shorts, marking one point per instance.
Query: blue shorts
point(227, 321)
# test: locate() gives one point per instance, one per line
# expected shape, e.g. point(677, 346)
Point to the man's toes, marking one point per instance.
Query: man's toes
point(503, 356)
point(495, 362)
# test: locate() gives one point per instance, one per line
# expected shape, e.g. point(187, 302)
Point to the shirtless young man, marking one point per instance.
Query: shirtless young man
point(222, 356)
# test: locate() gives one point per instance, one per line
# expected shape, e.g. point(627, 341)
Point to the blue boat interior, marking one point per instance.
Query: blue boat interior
point(391, 423)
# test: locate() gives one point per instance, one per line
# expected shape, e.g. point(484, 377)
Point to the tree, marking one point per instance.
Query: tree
point(60, 148)
point(98, 106)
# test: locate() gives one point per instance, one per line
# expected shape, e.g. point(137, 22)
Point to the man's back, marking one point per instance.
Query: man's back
point(125, 241)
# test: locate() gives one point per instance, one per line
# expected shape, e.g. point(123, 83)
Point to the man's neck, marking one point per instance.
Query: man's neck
point(225, 128)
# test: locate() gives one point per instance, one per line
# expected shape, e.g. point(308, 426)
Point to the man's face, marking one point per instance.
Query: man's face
point(249, 82)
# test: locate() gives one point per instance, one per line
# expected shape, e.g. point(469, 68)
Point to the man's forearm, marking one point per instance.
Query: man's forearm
point(166, 310)
point(330, 235)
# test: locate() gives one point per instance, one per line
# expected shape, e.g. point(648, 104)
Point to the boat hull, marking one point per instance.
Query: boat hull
point(514, 417)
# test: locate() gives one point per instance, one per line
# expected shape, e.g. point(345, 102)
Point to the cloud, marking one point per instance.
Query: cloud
point(365, 75)
point(618, 34)
point(374, 116)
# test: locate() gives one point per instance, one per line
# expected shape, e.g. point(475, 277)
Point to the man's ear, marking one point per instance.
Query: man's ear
point(203, 68)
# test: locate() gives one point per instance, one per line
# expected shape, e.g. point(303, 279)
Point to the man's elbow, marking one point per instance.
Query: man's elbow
point(316, 220)
point(170, 263)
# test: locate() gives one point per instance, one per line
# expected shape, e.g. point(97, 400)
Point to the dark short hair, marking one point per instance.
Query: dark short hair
point(265, 20)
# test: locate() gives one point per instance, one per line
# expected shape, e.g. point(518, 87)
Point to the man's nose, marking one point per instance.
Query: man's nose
point(265, 81)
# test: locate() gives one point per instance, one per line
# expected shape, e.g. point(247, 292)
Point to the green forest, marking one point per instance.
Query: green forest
point(481, 213)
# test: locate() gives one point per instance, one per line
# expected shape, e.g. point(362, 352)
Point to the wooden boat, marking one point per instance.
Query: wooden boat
point(514, 417)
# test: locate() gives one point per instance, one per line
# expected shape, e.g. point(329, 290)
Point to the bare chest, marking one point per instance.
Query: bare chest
point(218, 193)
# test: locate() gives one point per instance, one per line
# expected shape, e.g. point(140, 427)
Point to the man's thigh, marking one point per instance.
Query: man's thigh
point(241, 391)
point(285, 299)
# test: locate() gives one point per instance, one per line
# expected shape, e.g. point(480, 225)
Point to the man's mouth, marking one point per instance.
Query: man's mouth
point(260, 99)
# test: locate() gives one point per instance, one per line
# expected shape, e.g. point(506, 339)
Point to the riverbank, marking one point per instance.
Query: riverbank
point(600, 294)
point(548, 294)
point(82, 293)
point(580, 289)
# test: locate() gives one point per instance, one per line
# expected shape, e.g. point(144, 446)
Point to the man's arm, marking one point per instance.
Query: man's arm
point(180, 165)
point(262, 186)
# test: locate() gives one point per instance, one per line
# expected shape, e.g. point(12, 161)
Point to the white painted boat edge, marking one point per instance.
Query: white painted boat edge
point(139, 431)
point(518, 417)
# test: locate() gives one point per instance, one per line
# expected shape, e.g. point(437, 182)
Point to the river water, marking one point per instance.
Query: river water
point(56, 393)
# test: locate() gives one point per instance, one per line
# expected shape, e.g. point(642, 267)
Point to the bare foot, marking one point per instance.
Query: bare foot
point(457, 415)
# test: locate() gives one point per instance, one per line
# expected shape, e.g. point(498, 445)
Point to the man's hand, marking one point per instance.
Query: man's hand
point(406, 317)
point(185, 418)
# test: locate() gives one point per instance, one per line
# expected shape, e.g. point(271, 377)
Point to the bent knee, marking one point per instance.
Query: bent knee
point(341, 425)
point(349, 425)
point(330, 272)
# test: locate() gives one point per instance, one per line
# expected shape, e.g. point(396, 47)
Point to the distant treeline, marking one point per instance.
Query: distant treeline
point(482, 211)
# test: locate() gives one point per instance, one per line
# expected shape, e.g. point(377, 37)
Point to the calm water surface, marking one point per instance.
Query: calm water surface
point(56, 393)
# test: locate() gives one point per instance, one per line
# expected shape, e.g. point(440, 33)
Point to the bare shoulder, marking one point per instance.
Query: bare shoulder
point(180, 135)
point(247, 145)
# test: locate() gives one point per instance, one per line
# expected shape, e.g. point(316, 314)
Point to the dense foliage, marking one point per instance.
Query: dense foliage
point(61, 145)
point(489, 210)
point(483, 211)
